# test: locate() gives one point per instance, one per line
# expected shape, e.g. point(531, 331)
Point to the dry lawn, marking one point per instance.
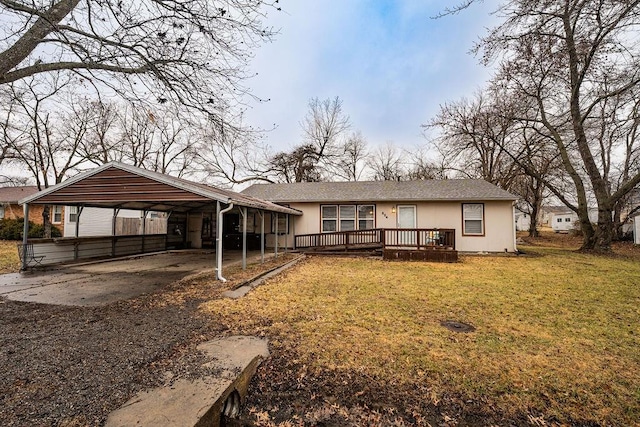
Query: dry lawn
point(556, 340)
point(9, 260)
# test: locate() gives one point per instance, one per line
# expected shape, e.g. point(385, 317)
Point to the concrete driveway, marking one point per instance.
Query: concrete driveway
point(101, 283)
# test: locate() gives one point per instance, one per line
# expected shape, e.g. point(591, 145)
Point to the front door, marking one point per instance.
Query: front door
point(406, 219)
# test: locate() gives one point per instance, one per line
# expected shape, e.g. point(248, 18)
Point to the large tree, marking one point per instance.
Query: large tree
point(192, 51)
point(568, 59)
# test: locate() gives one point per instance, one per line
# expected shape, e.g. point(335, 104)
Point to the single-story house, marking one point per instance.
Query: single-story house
point(481, 214)
point(11, 209)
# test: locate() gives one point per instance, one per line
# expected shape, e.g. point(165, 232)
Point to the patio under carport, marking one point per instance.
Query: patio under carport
point(119, 186)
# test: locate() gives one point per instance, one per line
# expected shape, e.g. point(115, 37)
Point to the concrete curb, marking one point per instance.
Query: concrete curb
point(202, 402)
point(245, 287)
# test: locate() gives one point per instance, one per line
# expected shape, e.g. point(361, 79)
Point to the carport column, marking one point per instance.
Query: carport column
point(277, 237)
point(243, 212)
point(219, 220)
point(144, 227)
point(114, 221)
point(293, 231)
point(286, 233)
point(25, 236)
point(261, 213)
point(75, 245)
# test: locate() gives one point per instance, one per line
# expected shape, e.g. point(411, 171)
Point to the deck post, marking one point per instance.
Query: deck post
point(243, 212)
point(418, 238)
point(25, 236)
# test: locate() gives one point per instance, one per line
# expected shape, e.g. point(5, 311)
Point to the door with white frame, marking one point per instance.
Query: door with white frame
point(406, 218)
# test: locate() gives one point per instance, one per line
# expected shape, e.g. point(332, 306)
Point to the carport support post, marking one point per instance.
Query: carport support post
point(25, 236)
point(277, 237)
point(261, 213)
point(144, 227)
point(286, 233)
point(75, 245)
point(114, 221)
point(243, 212)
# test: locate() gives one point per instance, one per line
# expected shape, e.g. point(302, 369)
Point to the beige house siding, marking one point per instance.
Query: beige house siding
point(498, 222)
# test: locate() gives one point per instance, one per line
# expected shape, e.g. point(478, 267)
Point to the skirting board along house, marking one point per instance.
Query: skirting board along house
point(480, 214)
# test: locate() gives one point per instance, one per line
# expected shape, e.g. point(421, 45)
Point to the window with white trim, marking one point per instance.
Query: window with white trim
point(73, 213)
point(473, 219)
point(57, 215)
point(559, 220)
point(567, 220)
point(347, 217)
point(329, 218)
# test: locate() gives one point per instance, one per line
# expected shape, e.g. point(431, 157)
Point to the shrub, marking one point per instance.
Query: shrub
point(11, 229)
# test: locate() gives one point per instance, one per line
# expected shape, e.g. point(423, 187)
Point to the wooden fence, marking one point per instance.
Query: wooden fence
point(409, 238)
point(133, 226)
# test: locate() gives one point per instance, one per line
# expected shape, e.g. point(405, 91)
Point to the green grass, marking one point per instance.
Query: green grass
point(556, 334)
point(9, 260)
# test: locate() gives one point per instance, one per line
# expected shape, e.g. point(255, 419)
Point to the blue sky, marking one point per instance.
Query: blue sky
point(390, 63)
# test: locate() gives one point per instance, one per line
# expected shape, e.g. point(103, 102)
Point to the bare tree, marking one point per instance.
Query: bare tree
point(351, 160)
point(568, 58)
point(229, 155)
point(322, 127)
point(472, 138)
point(386, 163)
point(191, 52)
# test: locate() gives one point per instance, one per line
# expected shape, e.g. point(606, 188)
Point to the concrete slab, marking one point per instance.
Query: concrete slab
point(201, 402)
point(101, 283)
point(241, 291)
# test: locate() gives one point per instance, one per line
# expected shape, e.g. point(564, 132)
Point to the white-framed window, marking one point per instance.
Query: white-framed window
point(57, 215)
point(567, 220)
point(347, 217)
point(329, 218)
point(73, 213)
point(559, 220)
point(473, 219)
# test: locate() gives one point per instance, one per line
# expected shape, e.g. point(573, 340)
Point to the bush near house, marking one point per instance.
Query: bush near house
point(11, 229)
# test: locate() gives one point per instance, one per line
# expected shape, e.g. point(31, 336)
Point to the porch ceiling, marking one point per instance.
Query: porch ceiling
point(116, 185)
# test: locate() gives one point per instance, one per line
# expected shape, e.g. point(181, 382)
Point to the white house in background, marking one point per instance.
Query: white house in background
point(523, 221)
point(93, 221)
point(636, 230)
point(564, 222)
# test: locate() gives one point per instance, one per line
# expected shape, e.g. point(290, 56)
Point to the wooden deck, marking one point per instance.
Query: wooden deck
point(424, 244)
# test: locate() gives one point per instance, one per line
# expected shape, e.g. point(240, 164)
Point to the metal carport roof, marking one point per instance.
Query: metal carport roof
point(117, 185)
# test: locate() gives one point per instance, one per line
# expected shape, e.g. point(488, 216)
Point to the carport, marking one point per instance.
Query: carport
point(119, 186)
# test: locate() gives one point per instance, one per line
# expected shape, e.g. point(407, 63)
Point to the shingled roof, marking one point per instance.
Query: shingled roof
point(14, 194)
point(377, 191)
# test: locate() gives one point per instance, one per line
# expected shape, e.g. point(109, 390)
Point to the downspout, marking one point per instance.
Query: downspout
point(515, 239)
point(219, 242)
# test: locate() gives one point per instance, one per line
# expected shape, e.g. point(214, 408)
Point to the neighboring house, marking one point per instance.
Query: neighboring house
point(564, 222)
point(11, 209)
point(99, 222)
point(523, 221)
point(636, 229)
point(481, 213)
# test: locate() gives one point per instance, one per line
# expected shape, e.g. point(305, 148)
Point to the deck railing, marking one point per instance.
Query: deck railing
point(411, 238)
point(340, 238)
